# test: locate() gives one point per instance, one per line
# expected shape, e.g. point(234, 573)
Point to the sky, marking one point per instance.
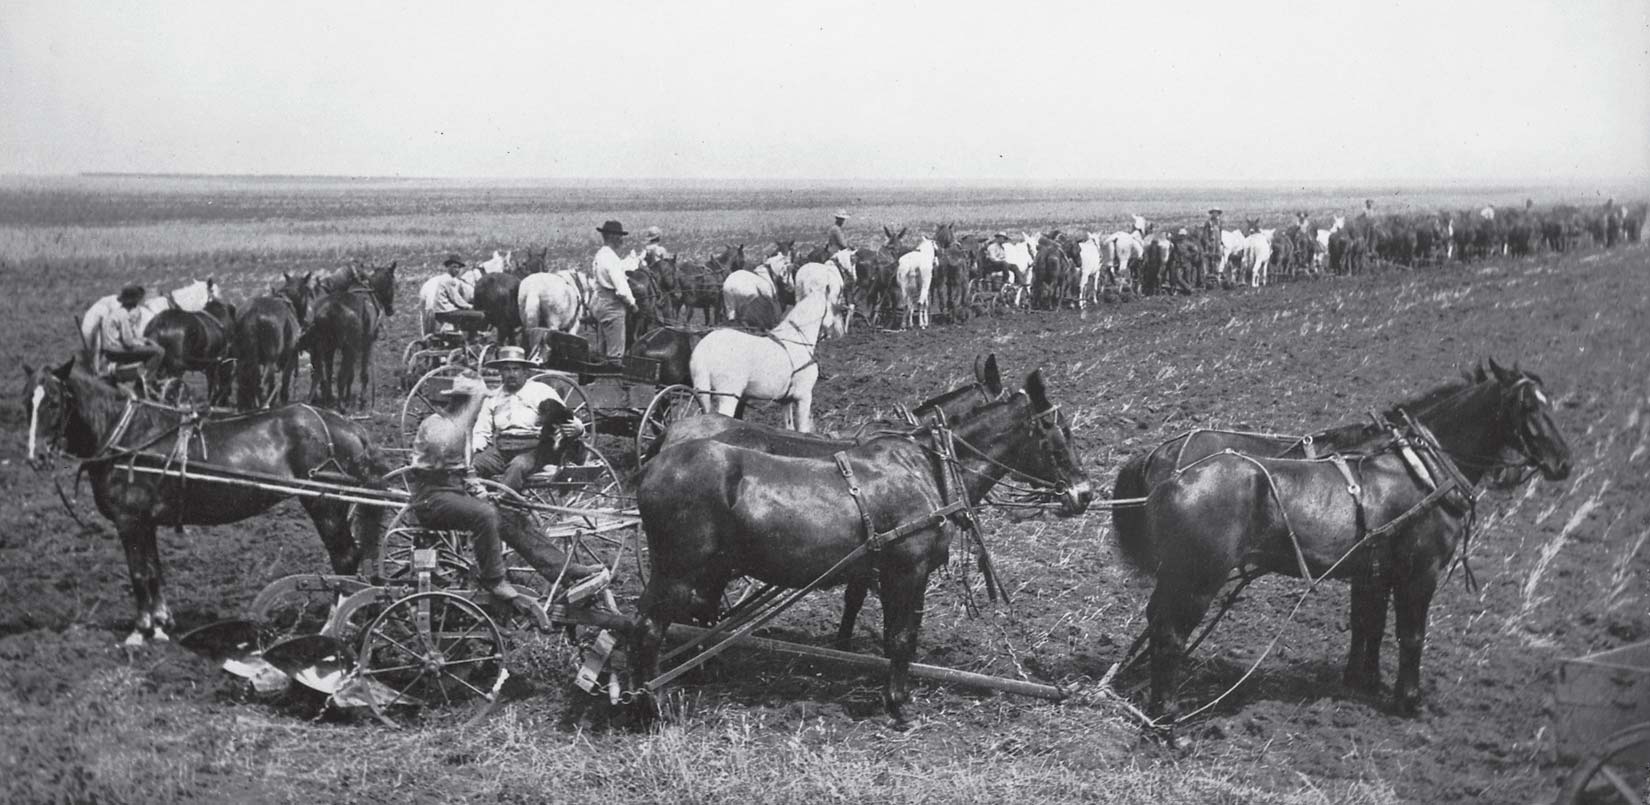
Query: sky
point(1145, 91)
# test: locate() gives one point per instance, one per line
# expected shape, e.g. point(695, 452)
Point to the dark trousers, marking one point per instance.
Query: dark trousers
point(149, 354)
point(446, 508)
point(511, 468)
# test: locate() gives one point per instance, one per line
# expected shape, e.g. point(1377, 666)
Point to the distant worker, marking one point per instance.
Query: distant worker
point(123, 338)
point(654, 251)
point(1211, 244)
point(612, 298)
point(836, 240)
point(445, 293)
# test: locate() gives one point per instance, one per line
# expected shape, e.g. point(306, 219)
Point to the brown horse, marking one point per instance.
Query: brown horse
point(196, 341)
point(1387, 519)
point(92, 421)
point(712, 511)
point(265, 343)
point(347, 322)
point(951, 405)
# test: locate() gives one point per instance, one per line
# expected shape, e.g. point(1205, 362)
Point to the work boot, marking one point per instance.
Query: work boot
point(505, 592)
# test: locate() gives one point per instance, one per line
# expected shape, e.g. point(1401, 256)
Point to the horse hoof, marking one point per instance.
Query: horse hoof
point(160, 636)
point(133, 640)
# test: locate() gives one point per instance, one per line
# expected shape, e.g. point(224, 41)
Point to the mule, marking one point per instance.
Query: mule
point(265, 343)
point(92, 421)
point(730, 367)
point(915, 275)
point(987, 387)
point(197, 341)
point(712, 511)
point(1049, 272)
point(953, 268)
point(346, 324)
point(1388, 519)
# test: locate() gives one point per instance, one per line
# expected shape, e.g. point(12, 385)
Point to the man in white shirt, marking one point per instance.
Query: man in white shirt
point(506, 430)
point(654, 251)
point(612, 298)
point(445, 293)
point(123, 338)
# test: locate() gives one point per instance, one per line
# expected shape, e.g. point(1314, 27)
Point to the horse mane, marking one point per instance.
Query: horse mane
point(1358, 431)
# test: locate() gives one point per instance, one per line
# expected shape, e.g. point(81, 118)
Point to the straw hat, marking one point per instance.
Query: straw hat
point(653, 234)
point(511, 356)
point(843, 214)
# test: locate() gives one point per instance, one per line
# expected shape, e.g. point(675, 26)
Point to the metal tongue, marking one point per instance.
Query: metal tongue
point(315, 661)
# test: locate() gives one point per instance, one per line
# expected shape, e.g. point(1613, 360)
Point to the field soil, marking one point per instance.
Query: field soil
point(1559, 567)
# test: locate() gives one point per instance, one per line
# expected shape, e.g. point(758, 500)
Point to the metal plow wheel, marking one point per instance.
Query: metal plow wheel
point(423, 399)
point(1618, 772)
point(671, 405)
point(429, 659)
point(591, 538)
point(300, 604)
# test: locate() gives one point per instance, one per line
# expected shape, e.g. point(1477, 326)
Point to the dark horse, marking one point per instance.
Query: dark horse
point(672, 347)
point(1050, 270)
point(712, 511)
point(495, 295)
point(103, 427)
point(689, 286)
point(265, 342)
point(953, 267)
point(1388, 519)
point(987, 387)
point(348, 321)
point(196, 341)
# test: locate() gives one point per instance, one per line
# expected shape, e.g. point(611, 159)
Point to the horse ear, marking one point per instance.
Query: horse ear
point(992, 379)
point(1500, 373)
point(28, 371)
point(1035, 392)
point(64, 370)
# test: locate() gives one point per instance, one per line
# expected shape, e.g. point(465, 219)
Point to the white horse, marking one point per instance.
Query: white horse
point(1021, 254)
point(1231, 242)
point(824, 279)
point(915, 275)
point(1089, 265)
point(191, 297)
point(729, 366)
point(1121, 251)
point(1257, 257)
point(763, 281)
point(500, 262)
point(1321, 257)
point(554, 299)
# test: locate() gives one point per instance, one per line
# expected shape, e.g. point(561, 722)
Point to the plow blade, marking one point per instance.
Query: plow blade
point(315, 661)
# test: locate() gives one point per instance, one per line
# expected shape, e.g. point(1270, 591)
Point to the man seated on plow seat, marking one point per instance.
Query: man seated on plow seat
point(444, 496)
point(123, 340)
point(506, 434)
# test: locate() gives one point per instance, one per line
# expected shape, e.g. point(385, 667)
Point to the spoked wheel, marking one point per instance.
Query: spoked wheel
point(572, 395)
point(591, 485)
point(1618, 772)
point(424, 398)
point(672, 404)
point(430, 659)
point(300, 605)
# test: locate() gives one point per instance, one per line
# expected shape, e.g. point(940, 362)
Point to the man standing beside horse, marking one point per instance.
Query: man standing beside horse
point(612, 298)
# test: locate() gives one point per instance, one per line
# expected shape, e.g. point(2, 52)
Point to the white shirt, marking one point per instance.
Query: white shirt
point(515, 414)
point(450, 294)
point(610, 270)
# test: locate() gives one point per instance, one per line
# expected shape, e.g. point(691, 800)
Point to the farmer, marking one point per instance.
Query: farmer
point(506, 430)
point(836, 240)
point(1211, 244)
point(444, 496)
point(123, 338)
point(653, 252)
point(612, 298)
point(447, 293)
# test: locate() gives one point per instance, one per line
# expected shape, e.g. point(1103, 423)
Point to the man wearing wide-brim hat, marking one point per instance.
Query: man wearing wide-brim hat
point(506, 432)
point(836, 239)
point(654, 251)
point(612, 298)
point(445, 293)
point(123, 341)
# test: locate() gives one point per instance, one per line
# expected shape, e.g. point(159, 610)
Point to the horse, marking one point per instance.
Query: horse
point(1019, 255)
point(650, 301)
point(1123, 254)
point(557, 300)
point(672, 347)
point(730, 366)
point(1232, 242)
point(915, 275)
point(953, 268)
point(264, 341)
point(987, 387)
point(712, 511)
point(769, 280)
point(348, 322)
point(500, 263)
point(825, 278)
point(196, 341)
point(1049, 271)
point(1257, 257)
point(1154, 265)
point(691, 286)
point(91, 420)
point(1089, 267)
point(1316, 518)
point(192, 296)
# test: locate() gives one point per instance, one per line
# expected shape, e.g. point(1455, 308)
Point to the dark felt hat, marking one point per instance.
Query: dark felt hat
point(612, 228)
point(131, 293)
point(452, 261)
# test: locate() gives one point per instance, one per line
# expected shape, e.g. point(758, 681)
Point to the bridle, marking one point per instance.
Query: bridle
point(1039, 488)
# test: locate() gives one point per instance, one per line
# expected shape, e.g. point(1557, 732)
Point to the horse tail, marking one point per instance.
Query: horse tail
point(1129, 522)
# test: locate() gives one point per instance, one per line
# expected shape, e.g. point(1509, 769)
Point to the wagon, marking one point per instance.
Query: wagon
point(627, 400)
point(466, 346)
point(1602, 723)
